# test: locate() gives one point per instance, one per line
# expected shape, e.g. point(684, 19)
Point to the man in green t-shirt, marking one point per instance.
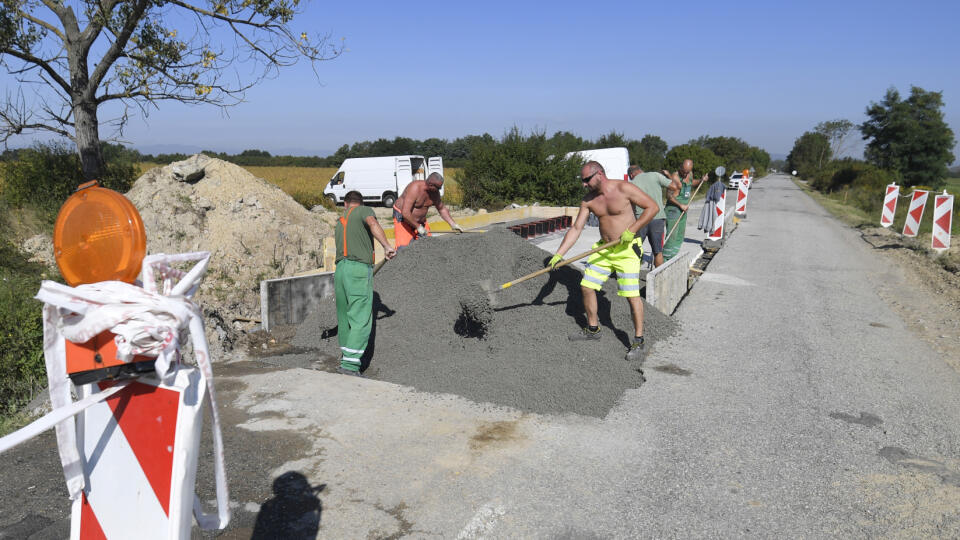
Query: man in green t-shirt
point(353, 278)
point(652, 183)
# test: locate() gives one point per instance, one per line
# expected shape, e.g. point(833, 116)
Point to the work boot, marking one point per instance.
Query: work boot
point(636, 352)
point(585, 335)
point(344, 371)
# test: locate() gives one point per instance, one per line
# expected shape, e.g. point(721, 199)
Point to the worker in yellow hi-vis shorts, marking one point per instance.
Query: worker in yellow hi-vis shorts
point(624, 259)
point(612, 201)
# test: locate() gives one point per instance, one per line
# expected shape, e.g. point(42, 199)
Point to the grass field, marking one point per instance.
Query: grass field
point(306, 184)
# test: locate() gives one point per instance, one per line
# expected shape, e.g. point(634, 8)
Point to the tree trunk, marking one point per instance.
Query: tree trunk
point(87, 138)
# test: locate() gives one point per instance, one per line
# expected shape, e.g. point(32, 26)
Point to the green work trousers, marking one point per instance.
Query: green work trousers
point(353, 285)
point(672, 246)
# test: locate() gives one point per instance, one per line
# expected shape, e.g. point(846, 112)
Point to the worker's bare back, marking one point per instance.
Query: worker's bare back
point(611, 204)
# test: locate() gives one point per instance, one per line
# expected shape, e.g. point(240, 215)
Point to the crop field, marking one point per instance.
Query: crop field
point(306, 184)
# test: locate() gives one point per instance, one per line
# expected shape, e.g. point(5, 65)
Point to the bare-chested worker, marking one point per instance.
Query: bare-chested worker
point(612, 202)
point(410, 210)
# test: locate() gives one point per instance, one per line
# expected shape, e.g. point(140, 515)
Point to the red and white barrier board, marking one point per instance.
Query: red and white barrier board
point(717, 233)
point(918, 202)
point(139, 450)
point(889, 205)
point(742, 192)
point(942, 222)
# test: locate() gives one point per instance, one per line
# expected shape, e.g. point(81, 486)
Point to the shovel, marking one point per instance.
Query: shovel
point(490, 289)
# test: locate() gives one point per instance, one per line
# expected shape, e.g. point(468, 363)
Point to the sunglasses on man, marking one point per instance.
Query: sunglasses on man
point(586, 180)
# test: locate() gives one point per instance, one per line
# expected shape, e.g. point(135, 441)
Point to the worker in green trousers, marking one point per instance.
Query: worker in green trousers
point(353, 278)
point(678, 200)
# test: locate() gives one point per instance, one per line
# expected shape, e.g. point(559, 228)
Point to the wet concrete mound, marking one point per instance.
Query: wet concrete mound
point(437, 330)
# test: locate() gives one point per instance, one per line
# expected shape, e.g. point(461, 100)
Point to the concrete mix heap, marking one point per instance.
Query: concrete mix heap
point(437, 331)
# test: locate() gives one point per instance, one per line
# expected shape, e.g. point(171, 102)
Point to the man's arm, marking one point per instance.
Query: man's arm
point(444, 212)
point(576, 229)
point(672, 191)
point(701, 180)
point(377, 231)
point(641, 200)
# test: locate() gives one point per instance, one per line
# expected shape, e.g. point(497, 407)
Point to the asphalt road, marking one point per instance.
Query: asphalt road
point(793, 403)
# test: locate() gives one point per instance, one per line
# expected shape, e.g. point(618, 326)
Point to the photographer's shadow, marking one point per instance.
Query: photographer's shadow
point(293, 512)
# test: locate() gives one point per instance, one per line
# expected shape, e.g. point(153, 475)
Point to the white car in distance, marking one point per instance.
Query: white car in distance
point(734, 182)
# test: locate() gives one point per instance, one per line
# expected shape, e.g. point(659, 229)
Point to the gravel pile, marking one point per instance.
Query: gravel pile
point(437, 331)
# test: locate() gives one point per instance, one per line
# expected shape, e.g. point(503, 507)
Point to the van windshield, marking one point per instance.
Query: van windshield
point(337, 178)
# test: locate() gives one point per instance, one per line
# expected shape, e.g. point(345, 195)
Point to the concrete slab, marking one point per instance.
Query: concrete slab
point(667, 284)
point(289, 300)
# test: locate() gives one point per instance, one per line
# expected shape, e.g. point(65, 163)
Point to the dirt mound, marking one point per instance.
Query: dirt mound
point(436, 330)
point(252, 229)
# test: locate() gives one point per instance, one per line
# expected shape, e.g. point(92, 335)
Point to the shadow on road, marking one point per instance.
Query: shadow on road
point(293, 512)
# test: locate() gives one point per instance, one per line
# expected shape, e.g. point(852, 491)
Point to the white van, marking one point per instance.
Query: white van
point(614, 160)
point(380, 179)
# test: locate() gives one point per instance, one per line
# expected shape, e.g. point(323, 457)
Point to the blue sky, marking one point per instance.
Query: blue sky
point(761, 71)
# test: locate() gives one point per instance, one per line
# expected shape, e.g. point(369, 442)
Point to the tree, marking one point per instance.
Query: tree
point(137, 53)
point(836, 131)
point(910, 137)
point(648, 153)
point(734, 153)
point(811, 151)
point(611, 140)
point(704, 161)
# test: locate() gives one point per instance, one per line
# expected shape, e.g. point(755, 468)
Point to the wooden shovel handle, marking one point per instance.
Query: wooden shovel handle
point(559, 264)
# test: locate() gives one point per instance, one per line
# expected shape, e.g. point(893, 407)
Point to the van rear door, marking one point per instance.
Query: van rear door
point(403, 173)
point(435, 165)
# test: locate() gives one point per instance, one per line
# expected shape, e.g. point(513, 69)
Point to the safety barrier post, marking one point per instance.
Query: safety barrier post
point(742, 192)
point(717, 233)
point(889, 205)
point(918, 202)
point(942, 222)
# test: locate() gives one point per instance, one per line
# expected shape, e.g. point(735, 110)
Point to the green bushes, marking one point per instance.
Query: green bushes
point(44, 175)
point(704, 160)
point(22, 371)
point(519, 168)
point(863, 184)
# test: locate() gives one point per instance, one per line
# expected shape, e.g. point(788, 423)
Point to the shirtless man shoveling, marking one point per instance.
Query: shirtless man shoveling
point(612, 202)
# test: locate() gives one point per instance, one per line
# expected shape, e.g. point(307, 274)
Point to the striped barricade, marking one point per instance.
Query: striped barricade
point(918, 202)
point(942, 222)
point(889, 205)
point(717, 233)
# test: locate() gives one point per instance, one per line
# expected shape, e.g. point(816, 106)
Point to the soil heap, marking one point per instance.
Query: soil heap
point(436, 330)
point(252, 229)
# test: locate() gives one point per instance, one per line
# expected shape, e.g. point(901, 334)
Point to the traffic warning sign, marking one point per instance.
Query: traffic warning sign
point(918, 202)
point(889, 205)
point(717, 233)
point(942, 222)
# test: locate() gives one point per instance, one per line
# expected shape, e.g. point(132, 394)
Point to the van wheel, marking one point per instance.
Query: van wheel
point(389, 199)
point(332, 199)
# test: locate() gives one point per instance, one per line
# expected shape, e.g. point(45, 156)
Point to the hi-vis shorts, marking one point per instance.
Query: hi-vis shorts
point(624, 260)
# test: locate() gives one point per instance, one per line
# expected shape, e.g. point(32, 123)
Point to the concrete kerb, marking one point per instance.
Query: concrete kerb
point(667, 284)
point(289, 300)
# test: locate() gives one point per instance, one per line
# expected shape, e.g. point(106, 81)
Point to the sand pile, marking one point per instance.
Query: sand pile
point(251, 228)
point(436, 331)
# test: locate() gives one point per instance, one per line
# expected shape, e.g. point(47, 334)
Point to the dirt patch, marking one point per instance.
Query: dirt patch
point(435, 329)
point(930, 303)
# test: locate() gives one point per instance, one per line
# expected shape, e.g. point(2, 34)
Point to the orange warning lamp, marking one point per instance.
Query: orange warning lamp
point(98, 236)
point(746, 173)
